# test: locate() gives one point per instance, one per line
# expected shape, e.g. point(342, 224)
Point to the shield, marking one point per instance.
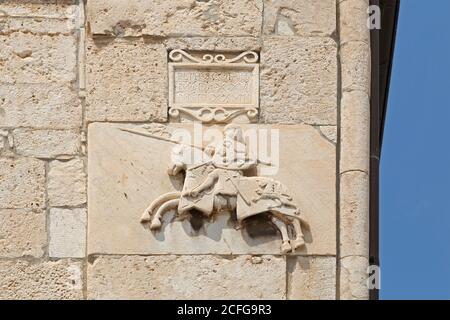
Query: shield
point(246, 204)
point(204, 201)
point(250, 202)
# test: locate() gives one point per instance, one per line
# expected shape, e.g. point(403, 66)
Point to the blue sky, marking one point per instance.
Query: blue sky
point(415, 163)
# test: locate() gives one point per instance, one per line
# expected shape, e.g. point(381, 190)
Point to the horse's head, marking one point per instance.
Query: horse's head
point(184, 157)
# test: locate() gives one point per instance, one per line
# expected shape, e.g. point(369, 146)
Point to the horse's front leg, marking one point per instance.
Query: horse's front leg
point(147, 215)
point(285, 246)
point(156, 221)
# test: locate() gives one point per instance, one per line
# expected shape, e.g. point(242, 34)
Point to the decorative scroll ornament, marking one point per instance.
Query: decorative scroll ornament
point(213, 115)
point(179, 55)
point(215, 183)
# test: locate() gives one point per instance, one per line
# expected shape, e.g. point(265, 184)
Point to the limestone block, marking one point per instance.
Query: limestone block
point(175, 18)
point(353, 278)
point(126, 172)
point(354, 214)
point(22, 233)
point(54, 280)
point(66, 183)
point(300, 17)
point(55, 9)
point(355, 65)
point(312, 278)
point(298, 80)
point(22, 183)
point(67, 233)
point(355, 131)
point(29, 58)
point(353, 20)
point(126, 80)
point(187, 277)
point(36, 25)
point(54, 106)
point(46, 143)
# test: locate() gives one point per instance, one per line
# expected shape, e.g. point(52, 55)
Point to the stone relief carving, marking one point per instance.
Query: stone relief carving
point(178, 55)
point(213, 115)
point(213, 88)
point(218, 182)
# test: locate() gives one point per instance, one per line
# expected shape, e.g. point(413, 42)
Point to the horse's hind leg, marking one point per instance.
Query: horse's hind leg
point(285, 246)
point(298, 241)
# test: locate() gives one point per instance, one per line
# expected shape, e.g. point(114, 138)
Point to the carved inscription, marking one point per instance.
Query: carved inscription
point(213, 86)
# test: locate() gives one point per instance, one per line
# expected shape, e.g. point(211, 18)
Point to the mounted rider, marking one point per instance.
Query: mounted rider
point(224, 168)
point(215, 182)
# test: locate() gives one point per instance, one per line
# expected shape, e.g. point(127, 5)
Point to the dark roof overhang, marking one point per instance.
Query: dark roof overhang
point(382, 52)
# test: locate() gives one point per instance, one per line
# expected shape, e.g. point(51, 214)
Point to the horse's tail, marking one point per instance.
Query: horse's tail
point(301, 219)
point(146, 217)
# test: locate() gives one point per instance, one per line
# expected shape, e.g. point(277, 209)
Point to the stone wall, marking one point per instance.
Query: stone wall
point(70, 68)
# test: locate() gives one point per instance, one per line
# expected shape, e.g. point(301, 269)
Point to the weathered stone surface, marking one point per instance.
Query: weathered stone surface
point(66, 183)
point(36, 25)
point(22, 183)
point(300, 17)
point(3, 146)
point(6, 143)
point(187, 277)
point(126, 81)
point(29, 58)
point(38, 8)
point(353, 278)
point(354, 214)
point(330, 132)
point(235, 44)
point(355, 131)
point(298, 80)
point(22, 233)
point(46, 143)
point(41, 280)
point(353, 20)
point(54, 106)
point(175, 18)
point(312, 278)
point(127, 172)
point(67, 233)
point(355, 64)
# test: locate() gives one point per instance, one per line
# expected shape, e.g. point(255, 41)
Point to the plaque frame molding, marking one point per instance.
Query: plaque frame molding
point(214, 112)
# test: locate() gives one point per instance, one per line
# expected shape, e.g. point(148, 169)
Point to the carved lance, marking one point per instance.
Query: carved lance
point(146, 134)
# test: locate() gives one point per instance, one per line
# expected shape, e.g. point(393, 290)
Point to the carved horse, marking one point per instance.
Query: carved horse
point(245, 202)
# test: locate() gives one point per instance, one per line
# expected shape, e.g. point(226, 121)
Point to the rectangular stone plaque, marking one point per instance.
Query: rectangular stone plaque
point(213, 88)
point(128, 170)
